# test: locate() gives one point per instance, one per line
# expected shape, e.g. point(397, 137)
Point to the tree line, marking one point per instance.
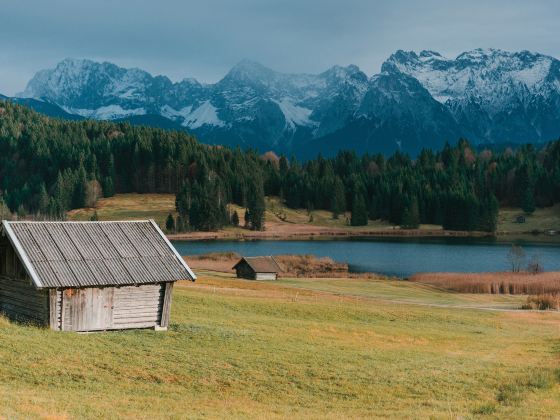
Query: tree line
point(49, 166)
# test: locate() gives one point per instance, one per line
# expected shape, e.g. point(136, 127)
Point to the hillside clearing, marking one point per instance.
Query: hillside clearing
point(283, 222)
point(306, 348)
point(129, 207)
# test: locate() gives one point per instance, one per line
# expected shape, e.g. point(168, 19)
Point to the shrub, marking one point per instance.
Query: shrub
point(543, 302)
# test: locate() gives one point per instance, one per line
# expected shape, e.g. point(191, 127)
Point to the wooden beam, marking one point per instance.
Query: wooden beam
point(63, 327)
point(53, 310)
point(166, 307)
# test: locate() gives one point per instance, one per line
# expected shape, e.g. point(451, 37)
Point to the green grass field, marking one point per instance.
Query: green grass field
point(299, 348)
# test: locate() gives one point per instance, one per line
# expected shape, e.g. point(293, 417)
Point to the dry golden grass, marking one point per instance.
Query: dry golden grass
point(292, 265)
point(129, 207)
point(299, 348)
point(543, 302)
point(496, 283)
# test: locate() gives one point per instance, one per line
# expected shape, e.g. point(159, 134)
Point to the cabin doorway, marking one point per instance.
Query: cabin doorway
point(87, 309)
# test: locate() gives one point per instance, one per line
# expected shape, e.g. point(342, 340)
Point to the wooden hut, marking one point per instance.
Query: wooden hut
point(88, 276)
point(257, 268)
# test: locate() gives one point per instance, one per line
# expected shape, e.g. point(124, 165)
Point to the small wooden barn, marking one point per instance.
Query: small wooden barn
point(88, 276)
point(257, 268)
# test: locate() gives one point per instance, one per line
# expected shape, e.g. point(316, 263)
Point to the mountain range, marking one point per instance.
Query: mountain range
point(417, 100)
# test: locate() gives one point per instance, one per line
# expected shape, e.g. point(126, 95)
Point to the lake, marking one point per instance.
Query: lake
point(393, 256)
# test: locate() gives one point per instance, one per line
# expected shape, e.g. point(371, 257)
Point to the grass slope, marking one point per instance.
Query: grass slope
point(158, 206)
point(541, 220)
point(295, 348)
point(129, 207)
point(281, 218)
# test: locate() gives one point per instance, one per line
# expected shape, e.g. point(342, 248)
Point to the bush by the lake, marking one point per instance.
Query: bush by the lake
point(543, 302)
point(521, 283)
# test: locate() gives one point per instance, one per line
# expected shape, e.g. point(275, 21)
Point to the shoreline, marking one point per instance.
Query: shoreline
point(299, 231)
point(321, 233)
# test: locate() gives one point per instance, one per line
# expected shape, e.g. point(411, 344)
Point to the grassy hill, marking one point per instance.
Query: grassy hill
point(299, 348)
point(158, 206)
point(283, 219)
point(129, 206)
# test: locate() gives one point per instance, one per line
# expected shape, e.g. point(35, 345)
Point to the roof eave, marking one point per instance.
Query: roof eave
point(172, 248)
point(21, 254)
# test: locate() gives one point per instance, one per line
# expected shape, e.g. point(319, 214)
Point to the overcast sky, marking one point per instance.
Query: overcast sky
point(204, 39)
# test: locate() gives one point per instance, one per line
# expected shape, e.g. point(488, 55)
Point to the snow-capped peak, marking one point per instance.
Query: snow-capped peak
point(480, 73)
point(483, 94)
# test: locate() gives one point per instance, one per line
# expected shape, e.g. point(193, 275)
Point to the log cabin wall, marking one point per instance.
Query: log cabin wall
point(20, 300)
point(113, 308)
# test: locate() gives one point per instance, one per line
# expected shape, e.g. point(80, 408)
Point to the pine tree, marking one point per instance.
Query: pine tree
point(359, 211)
point(256, 206)
point(43, 202)
point(170, 223)
point(207, 211)
point(488, 213)
point(528, 201)
point(338, 199)
point(180, 225)
point(80, 188)
point(411, 215)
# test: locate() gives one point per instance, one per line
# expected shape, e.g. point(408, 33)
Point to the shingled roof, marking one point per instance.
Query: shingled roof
point(92, 254)
point(261, 264)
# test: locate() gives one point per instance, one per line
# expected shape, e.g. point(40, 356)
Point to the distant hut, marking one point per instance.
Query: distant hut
point(88, 276)
point(257, 268)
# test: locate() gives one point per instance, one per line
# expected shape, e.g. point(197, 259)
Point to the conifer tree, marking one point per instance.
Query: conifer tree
point(170, 223)
point(411, 215)
point(256, 206)
point(338, 199)
point(359, 211)
point(43, 202)
point(528, 201)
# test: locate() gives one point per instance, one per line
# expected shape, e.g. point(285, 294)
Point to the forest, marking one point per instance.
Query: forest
point(49, 166)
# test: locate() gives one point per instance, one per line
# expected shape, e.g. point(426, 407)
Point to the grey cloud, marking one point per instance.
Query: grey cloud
point(204, 39)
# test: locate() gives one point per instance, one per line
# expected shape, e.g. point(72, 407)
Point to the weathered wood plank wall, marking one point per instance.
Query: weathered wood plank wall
point(112, 307)
point(19, 299)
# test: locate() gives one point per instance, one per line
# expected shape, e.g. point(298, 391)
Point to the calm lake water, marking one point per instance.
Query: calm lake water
point(396, 257)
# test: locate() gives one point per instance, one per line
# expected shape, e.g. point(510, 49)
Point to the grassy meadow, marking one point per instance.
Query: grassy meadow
point(129, 207)
point(282, 219)
point(322, 348)
point(541, 220)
